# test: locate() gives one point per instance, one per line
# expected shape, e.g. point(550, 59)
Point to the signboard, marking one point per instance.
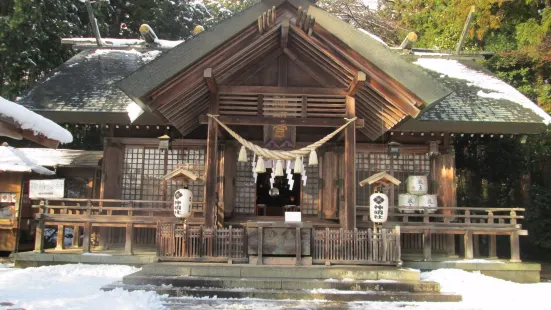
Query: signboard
point(292, 217)
point(8, 197)
point(47, 188)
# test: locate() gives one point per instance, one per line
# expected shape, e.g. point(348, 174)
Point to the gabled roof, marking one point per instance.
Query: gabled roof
point(181, 172)
point(380, 177)
point(13, 160)
point(83, 90)
point(172, 86)
point(480, 102)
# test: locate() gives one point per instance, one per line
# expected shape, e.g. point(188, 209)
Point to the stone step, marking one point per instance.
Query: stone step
point(289, 272)
point(284, 283)
point(302, 294)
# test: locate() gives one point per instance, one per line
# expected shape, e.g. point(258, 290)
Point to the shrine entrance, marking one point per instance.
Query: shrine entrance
point(275, 195)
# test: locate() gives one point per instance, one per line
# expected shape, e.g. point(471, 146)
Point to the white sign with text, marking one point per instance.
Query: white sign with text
point(54, 188)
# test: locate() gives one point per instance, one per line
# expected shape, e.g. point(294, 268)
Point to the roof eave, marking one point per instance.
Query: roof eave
point(153, 74)
point(408, 75)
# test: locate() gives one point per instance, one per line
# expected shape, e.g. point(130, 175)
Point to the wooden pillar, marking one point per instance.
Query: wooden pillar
point(260, 241)
point(60, 237)
point(86, 239)
point(113, 161)
point(468, 242)
point(349, 220)
point(427, 245)
point(39, 238)
point(128, 245)
point(298, 244)
point(515, 247)
point(211, 164)
point(76, 236)
point(443, 174)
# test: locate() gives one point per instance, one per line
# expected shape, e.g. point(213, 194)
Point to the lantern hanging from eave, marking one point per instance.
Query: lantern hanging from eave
point(182, 203)
point(378, 207)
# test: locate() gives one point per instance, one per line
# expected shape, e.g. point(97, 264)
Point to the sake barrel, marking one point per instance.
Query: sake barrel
point(378, 207)
point(429, 202)
point(182, 203)
point(417, 184)
point(408, 203)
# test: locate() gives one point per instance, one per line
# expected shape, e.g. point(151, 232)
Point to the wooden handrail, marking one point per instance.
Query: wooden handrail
point(459, 208)
point(108, 200)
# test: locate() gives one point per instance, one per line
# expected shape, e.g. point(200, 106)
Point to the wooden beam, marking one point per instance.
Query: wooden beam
point(284, 33)
point(349, 220)
point(209, 79)
point(357, 82)
point(261, 121)
point(128, 244)
point(211, 165)
point(14, 132)
point(465, 29)
point(275, 90)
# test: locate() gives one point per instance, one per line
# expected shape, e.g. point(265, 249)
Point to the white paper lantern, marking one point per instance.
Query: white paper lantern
point(429, 202)
point(408, 203)
point(182, 203)
point(378, 207)
point(418, 184)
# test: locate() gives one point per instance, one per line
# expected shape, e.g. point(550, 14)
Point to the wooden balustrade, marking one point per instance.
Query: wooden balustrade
point(179, 242)
point(361, 247)
point(89, 213)
point(468, 222)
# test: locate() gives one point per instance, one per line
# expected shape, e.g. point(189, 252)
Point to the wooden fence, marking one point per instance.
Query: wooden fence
point(129, 219)
point(361, 247)
point(424, 232)
point(178, 242)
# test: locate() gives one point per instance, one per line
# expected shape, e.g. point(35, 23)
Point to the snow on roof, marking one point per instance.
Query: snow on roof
point(13, 160)
point(496, 88)
point(108, 42)
point(62, 157)
point(27, 119)
point(374, 37)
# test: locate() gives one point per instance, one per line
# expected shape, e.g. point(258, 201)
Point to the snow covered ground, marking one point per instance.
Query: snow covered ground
point(78, 287)
point(70, 287)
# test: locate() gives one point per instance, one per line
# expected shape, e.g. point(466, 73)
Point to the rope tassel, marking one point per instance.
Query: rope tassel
point(260, 165)
point(313, 160)
point(298, 166)
point(243, 155)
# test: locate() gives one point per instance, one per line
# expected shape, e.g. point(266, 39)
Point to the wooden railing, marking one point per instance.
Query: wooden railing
point(88, 213)
point(178, 242)
point(366, 247)
point(469, 223)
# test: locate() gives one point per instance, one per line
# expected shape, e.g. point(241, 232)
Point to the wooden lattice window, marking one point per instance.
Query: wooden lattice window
point(369, 163)
point(245, 188)
point(310, 193)
point(144, 169)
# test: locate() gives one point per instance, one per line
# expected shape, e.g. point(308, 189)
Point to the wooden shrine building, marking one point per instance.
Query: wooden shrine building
point(283, 75)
